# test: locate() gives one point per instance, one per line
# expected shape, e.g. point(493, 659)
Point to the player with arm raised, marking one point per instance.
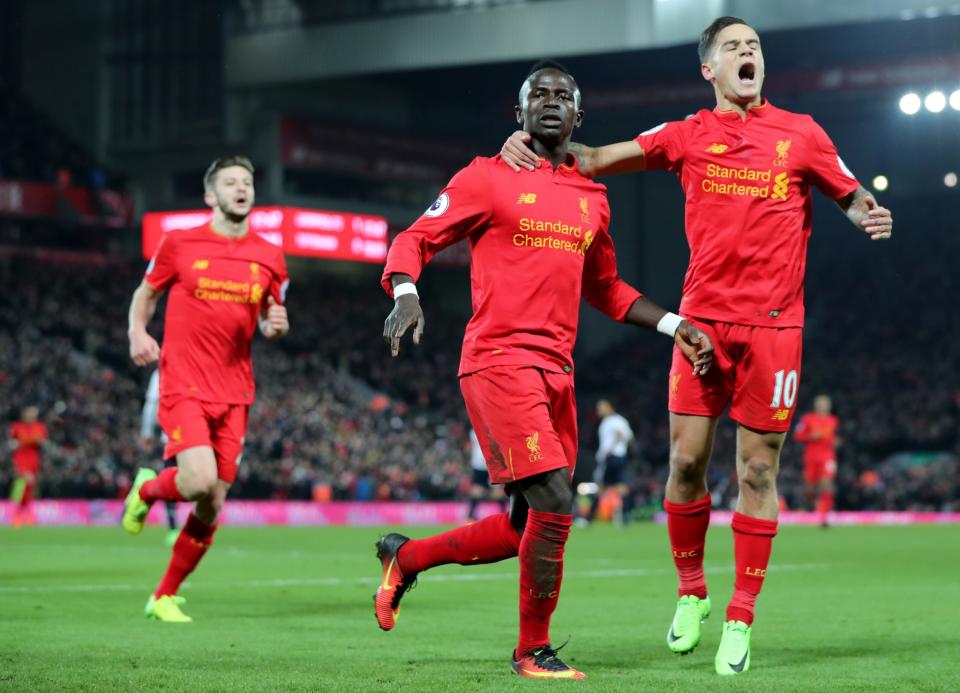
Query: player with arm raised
point(224, 281)
point(817, 432)
point(747, 169)
point(539, 241)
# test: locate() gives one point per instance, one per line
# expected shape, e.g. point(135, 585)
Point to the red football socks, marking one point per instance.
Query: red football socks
point(687, 525)
point(825, 504)
point(490, 540)
point(752, 542)
point(27, 494)
point(163, 488)
point(194, 540)
point(541, 572)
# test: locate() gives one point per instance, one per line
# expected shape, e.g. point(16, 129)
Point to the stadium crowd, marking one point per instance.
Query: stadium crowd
point(337, 418)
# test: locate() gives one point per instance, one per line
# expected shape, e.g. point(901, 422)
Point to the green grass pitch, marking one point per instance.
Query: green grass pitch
point(851, 608)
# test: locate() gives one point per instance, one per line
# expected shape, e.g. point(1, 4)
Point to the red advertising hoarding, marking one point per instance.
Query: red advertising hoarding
point(306, 232)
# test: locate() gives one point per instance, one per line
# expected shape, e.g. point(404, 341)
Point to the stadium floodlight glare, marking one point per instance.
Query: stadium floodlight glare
point(910, 103)
point(950, 180)
point(955, 100)
point(935, 101)
point(880, 183)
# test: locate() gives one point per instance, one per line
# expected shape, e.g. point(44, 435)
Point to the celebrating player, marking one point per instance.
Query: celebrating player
point(817, 431)
point(223, 282)
point(747, 169)
point(27, 436)
point(538, 242)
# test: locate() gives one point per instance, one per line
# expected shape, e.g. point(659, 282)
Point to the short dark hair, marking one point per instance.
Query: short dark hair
point(548, 64)
point(222, 163)
point(709, 34)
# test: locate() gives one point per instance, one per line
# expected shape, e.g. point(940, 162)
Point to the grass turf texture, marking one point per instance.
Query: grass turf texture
point(858, 608)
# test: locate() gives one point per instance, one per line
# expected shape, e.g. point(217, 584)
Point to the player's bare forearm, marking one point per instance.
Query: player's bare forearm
point(611, 159)
point(142, 307)
point(400, 278)
point(864, 212)
point(144, 349)
point(694, 344)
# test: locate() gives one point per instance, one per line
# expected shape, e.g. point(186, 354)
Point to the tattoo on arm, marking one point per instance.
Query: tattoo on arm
point(854, 205)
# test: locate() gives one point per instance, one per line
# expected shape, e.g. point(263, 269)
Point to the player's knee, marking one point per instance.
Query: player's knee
point(758, 473)
point(685, 467)
point(198, 483)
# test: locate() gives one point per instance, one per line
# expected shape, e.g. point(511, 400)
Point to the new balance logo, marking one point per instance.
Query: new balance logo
point(201, 264)
point(527, 199)
point(780, 415)
point(717, 148)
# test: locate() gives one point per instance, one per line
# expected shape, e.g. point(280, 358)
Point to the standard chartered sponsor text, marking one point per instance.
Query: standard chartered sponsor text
point(729, 181)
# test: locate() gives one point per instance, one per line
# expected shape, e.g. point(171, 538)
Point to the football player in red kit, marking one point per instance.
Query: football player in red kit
point(539, 241)
point(817, 431)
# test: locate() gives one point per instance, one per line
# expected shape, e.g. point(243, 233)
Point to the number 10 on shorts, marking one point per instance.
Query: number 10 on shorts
point(784, 389)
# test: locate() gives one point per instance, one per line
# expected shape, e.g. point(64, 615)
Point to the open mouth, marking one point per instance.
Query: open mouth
point(747, 74)
point(240, 201)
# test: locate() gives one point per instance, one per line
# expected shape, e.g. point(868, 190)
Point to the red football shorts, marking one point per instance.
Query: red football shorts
point(525, 419)
point(756, 370)
point(817, 469)
point(27, 463)
point(191, 423)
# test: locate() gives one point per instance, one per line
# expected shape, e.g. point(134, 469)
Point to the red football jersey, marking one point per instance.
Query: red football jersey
point(748, 186)
point(538, 241)
point(217, 288)
point(29, 436)
point(818, 433)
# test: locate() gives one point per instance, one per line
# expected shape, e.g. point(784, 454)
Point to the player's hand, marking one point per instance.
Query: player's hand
point(144, 349)
point(406, 312)
point(275, 323)
point(696, 346)
point(878, 224)
point(517, 153)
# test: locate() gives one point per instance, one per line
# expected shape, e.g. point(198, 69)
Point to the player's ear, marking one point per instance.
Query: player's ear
point(519, 113)
point(707, 72)
point(578, 119)
point(209, 199)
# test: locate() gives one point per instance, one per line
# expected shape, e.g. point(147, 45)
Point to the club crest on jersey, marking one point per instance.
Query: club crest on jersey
point(585, 210)
point(717, 148)
point(441, 205)
point(782, 147)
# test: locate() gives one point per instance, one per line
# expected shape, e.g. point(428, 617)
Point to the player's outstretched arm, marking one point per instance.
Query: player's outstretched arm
point(274, 322)
point(144, 349)
point(864, 211)
point(405, 314)
point(622, 157)
point(694, 344)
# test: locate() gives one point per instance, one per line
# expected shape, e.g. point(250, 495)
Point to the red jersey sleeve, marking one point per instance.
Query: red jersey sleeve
point(602, 286)
point(162, 270)
point(278, 287)
point(463, 206)
point(664, 145)
point(825, 167)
